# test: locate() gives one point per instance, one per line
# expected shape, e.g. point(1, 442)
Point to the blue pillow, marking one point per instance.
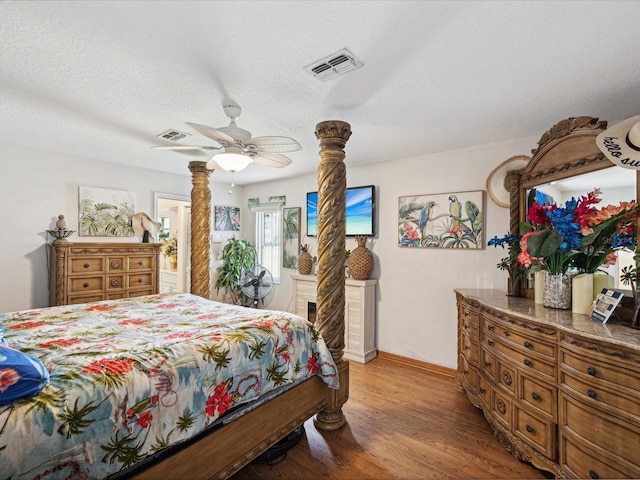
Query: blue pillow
point(21, 375)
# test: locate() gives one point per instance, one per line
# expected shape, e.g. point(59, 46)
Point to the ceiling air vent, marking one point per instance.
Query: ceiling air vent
point(173, 135)
point(337, 64)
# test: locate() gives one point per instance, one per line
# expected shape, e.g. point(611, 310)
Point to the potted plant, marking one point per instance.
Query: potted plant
point(237, 255)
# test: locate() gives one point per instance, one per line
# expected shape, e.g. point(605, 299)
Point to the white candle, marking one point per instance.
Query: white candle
point(600, 281)
point(538, 285)
point(582, 293)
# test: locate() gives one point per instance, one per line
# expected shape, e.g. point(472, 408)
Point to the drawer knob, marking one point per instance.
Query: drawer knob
point(140, 280)
point(530, 429)
point(489, 327)
point(527, 362)
point(490, 343)
point(466, 326)
point(506, 333)
point(527, 344)
point(140, 263)
point(85, 285)
point(535, 396)
point(592, 393)
point(593, 474)
point(482, 390)
point(466, 314)
point(86, 265)
point(591, 371)
point(487, 364)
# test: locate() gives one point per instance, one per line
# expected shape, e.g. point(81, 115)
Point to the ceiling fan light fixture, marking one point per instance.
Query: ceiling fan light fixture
point(231, 162)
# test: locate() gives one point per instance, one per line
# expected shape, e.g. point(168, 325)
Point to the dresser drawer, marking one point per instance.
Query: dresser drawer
point(537, 432)
point(527, 362)
point(116, 282)
point(484, 391)
point(140, 293)
point(506, 377)
point(469, 373)
point(140, 263)
point(512, 336)
point(616, 375)
point(501, 407)
point(76, 299)
point(539, 395)
point(116, 264)
point(470, 350)
point(471, 331)
point(597, 427)
point(469, 315)
point(489, 365)
point(85, 284)
point(84, 265)
point(580, 462)
point(591, 389)
point(140, 280)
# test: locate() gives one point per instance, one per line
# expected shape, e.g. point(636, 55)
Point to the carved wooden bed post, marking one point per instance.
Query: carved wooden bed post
point(333, 136)
point(200, 228)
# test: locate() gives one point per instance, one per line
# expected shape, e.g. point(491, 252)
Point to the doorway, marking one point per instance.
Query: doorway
point(174, 213)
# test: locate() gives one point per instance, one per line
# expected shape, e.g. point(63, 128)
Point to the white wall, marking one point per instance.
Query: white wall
point(36, 187)
point(415, 304)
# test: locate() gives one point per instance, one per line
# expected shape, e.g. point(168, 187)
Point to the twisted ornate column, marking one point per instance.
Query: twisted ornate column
point(333, 136)
point(200, 229)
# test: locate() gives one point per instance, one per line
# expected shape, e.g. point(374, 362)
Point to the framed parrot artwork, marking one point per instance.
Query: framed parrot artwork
point(442, 220)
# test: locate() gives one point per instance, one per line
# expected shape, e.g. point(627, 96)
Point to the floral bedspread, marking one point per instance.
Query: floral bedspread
point(130, 377)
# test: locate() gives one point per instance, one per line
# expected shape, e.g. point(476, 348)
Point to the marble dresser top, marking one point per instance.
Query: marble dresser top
point(562, 319)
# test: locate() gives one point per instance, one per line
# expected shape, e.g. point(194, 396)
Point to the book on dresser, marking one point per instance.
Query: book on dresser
point(82, 272)
point(560, 390)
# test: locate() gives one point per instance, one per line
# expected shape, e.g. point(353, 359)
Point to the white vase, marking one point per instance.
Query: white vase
point(538, 286)
point(600, 281)
point(582, 293)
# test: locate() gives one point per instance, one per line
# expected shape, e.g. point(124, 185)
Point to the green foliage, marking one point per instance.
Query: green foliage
point(237, 255)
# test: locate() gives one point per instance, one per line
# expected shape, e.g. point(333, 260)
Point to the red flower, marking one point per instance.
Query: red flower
point(132, 321)
point(538, 214)
point(98, 308)
point(221, 400)
point(60, 342)
point(109, 366)
point(312, 365)
point(144, 419)
point(25, 325)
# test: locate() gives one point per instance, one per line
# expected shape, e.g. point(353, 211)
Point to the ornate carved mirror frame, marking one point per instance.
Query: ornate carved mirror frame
point(567, 149)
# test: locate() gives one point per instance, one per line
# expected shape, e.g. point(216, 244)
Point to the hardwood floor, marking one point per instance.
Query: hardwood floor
point(403, 422)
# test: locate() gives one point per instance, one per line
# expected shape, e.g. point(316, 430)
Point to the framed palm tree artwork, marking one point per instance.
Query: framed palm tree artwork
point(443, 220)
point(105, 213)
point(291, 236)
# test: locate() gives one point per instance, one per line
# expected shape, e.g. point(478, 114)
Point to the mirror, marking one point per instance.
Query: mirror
point(565, 154)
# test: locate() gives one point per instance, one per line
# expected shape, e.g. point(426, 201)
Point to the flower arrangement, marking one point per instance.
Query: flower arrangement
point(510, 263)
point(170, 247)
point(578, 234)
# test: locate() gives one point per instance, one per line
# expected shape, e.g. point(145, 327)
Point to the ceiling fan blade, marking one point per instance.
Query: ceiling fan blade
point(185, 147)
point(210, 132)
point(270, 160)
point(274, 144)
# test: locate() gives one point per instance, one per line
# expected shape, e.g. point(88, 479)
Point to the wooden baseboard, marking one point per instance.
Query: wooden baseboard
point(449, 372)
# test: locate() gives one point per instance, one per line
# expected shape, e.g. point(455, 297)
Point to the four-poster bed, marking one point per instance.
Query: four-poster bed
point(302, 379)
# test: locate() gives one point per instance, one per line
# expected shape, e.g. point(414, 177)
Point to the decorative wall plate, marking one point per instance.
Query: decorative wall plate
point(496, 188)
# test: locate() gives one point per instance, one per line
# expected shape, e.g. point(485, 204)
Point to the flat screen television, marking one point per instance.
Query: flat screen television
point(360, 211)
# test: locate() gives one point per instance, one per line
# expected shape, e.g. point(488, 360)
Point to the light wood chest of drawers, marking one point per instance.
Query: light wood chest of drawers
point(82, 272)
point(559, 390)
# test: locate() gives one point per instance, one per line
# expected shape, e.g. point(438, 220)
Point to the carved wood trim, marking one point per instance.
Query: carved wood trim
point(576, 343)
point(563, 128)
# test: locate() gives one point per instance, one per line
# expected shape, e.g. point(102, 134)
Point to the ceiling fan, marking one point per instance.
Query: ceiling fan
point(237, 148)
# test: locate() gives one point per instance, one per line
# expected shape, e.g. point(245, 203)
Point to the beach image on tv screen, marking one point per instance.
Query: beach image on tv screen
point(359, 211)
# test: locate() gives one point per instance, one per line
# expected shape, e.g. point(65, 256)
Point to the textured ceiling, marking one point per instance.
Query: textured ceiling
point(100, 80)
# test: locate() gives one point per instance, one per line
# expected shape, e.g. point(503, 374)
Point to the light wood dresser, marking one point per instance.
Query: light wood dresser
point(559, 390)
point(82, 272)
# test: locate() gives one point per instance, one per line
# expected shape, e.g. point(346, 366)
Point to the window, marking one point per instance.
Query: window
point(268, 240)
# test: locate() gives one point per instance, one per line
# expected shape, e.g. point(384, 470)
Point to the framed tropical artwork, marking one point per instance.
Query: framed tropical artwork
point(105, 213)
point(442, 220)
point(291, 236)
point(226, 219)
